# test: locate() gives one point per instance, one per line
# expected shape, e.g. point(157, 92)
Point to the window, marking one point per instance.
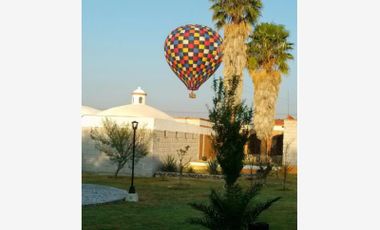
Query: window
point(140, 100)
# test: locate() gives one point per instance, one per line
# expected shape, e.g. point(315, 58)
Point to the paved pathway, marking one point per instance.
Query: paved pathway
point(98, 194)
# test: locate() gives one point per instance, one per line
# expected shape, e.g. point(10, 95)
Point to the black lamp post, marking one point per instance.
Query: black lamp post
point(134, 126)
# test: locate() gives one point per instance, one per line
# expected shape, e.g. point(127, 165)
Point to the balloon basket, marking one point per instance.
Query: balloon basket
point(192, 95)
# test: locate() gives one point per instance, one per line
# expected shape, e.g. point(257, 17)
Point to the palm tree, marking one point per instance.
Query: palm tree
point(236, 18)
point(268, 56)
point(232, 210)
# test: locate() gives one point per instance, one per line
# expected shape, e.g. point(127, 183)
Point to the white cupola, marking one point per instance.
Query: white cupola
point(138, 96)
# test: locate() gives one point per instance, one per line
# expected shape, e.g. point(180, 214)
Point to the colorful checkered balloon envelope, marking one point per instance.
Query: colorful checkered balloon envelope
point(193, 53)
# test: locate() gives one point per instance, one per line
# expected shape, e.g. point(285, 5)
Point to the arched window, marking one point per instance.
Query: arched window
point(140, 100)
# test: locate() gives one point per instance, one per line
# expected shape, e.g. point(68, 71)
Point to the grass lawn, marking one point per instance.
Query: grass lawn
point(163, 204)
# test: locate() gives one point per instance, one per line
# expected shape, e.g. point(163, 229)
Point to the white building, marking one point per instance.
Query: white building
point(290, 142)
point(86, 110)
point(168, 135)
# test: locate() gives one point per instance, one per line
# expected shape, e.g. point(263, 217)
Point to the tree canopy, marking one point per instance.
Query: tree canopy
point(116, 141)
point(235, 11)
point(269, 48)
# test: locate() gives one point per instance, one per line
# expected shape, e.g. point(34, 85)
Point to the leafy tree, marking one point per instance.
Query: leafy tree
point(231, 121)
point(116, 141)
point(268, 55)
point(233, 210)
point(236, 18)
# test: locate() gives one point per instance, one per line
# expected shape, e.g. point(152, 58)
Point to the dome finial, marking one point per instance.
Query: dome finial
point(138, 96)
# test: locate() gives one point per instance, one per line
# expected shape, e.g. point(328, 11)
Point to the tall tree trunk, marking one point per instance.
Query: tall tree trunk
point(269, 146)
point(266, 88)
point(234, 54)
point(263, 150)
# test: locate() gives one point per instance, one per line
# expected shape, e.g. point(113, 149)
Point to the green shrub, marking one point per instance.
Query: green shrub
point(231, 210)
point(190, 169)
point(213, 167)
point(169, 164)
point(250, 159)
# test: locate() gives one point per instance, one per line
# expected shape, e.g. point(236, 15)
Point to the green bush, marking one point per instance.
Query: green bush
point(250, 159)
point(213, 167)
point(190, 169)
point(231, 210)
point(169, 164)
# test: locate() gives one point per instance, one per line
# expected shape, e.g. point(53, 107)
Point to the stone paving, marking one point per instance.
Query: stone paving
point(99, 194)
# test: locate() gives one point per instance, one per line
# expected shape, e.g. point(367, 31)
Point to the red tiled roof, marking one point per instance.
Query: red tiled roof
point(279, 122)
point(290, 118)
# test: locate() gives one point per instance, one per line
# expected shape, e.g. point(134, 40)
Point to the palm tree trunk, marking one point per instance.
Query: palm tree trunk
point(266, 88)
point(263, 150)
point(234, 54)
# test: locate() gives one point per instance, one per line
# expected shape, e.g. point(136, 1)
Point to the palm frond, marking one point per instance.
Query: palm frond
point(232, 209)
point(256, 210)
point(209, 211)
point(235, 11)
point(270, 48)
point(205, 222)
point(211, 218)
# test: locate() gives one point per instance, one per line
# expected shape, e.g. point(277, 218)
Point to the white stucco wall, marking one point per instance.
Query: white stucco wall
point(95, 161)
point(167, 137)
point(278, 128)
point(290, 142)
point(167, 143)
point(173, 126)
point(194, 121)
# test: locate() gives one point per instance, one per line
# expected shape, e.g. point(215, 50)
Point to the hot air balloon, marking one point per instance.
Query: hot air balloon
point(193, 53)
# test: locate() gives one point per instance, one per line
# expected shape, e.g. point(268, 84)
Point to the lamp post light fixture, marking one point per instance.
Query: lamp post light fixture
point(134, 126)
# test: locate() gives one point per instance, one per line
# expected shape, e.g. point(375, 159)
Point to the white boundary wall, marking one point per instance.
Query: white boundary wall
point(290, 142)
point(168, 136)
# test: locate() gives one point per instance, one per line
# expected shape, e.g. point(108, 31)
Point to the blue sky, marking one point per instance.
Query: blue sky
point(123, 48)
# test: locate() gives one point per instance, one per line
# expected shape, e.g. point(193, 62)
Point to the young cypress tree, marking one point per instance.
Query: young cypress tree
point(232, 209)
point(231, 121)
